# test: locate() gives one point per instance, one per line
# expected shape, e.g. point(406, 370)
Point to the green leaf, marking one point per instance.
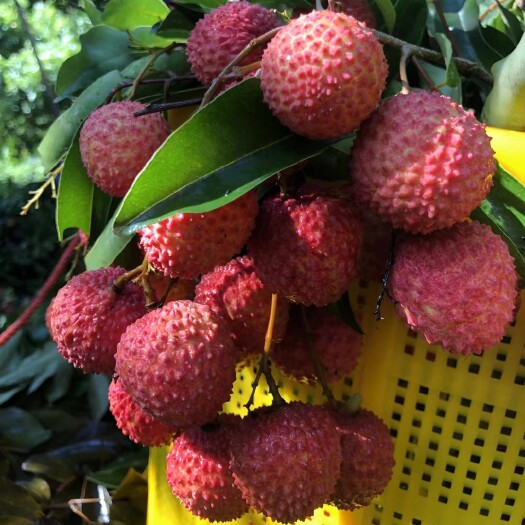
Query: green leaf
point(238, 156)
point(116, 471)
point(60, 134)
point(145, 37)
point(203, 6)
point(504, 211)
point(98, 395)
point(16, 501)
point(103, 49)
point(176, 25)
point(513, 25)
point(388, 12)
point(75, 194)
point(106, 248)
point(53, 468)
point(91, 10)
point(343, 309)
point(20, 431)
point(130, 14)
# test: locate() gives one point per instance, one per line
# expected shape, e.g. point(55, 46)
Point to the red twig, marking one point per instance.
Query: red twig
point(78, 240)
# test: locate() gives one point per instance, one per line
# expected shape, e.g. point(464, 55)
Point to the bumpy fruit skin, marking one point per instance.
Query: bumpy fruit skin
point(306, 247)
point(368, 459)
point(360, 10)
point(455, 287)
point(286, 461)
point(133, 422)
point(422, 162)
point(115, 145)
point(189, 244)
point(87, 317)
point(223, 33)
point(178, 363)
point(235, 292)
point(323, 74)
point(337, 345)
point(198, 472)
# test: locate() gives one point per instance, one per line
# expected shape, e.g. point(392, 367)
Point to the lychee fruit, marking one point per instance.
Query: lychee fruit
point(115, 145)
point(133, 422)
point(89, 314)
point(223, 33)
point(235, 292)
point(306, 247)
point(456, 287)
point(422, 162)
point(198, 472)
point(323, 74)
point(189, 244)
point(368, 459)
point(178, 363)
point(286, 460)
point(337, 345)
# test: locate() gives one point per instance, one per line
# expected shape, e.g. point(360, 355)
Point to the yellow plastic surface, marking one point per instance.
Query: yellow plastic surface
point(458, 422)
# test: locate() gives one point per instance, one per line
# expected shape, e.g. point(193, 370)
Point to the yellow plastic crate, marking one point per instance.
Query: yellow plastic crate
point(458, 424)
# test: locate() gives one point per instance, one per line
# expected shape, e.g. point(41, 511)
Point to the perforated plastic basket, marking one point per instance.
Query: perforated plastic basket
point(458, 424)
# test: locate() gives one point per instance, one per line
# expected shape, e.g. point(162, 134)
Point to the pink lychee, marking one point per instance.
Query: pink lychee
point(236, 293)
point(139, 426)
point(456, 287)
point(323, 74)
point(189, 244)
point(422, 162)
point(286, 461)
point(115, 145)
point(88, 315)
point(306, 247)
point(223, 33)
point(178, 363)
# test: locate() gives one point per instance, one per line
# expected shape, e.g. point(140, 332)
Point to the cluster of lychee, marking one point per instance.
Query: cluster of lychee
point(419, 166)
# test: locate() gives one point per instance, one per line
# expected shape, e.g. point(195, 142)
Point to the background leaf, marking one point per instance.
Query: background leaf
point(20, 431)
point(104, 49)
point(75, 194)
point(130, 14)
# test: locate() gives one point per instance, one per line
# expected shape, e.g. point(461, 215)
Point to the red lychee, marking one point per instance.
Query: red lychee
point(189, 244)
point(323, 74)
point(235, 292)
point(422, 162)
point(133, 422)
point(368, 459)
point(198, 473)
point(223, 33)
point(456, 287)
point(115, 145)
point(306, 247)
point(178, 363)
point(286, 461)
point(337, 345)
point(88, 316)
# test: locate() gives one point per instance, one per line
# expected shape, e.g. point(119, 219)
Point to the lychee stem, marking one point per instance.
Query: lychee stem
point(50, 181)
point(320, 370)
point(405, 55)
point(80, 239)
point(264, 363)
point(424, 75)
point(385, 279)
point(135, 274)
point(149, 63)
point(217, 82)
point(464, 65)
